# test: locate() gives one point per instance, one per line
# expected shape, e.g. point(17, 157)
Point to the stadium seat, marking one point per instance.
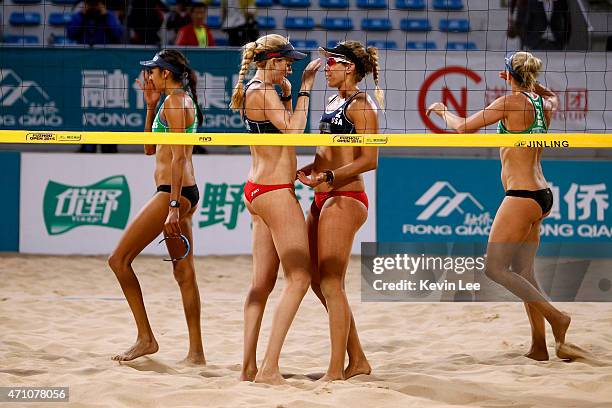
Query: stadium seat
point(415, 24)
point(24, 19)
point(295, 3)
point(455, 26)
point(221, 42)
point(266, 22)
point(299, 23)
point(26, 1)
point(421, 45)
point(305, 44)
point(448, 4)
point(334, 4)
point(372, 4)
point(337, 24)
point(214, 3)
point(21, 39)
point(376, 24)
point(461, 46)
point(213, 21)
point(410, 4)
point(383, 45)
point(264, 3)
point(64, 2)
point(59, 19)
point(61, 40)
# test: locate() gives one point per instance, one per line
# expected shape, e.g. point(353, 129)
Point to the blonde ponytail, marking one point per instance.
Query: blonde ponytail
point(248, 54)
point(527, 66)
point(379, 94)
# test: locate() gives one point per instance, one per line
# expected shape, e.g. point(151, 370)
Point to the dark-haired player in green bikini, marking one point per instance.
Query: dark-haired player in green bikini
point(515, 233)
point(171, 208)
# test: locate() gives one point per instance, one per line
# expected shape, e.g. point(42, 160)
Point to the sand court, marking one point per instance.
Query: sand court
point(64, 317)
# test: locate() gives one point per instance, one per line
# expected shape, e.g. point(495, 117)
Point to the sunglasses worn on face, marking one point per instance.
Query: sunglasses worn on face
point(331, 61)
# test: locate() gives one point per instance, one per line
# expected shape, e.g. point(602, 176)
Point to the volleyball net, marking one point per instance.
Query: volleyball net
point(56, 87)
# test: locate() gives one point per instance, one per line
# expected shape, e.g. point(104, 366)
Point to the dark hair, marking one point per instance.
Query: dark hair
point(199, 5)
point(188, 77)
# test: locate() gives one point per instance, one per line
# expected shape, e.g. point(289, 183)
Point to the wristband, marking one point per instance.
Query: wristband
point(285, 98)
point(304, 93)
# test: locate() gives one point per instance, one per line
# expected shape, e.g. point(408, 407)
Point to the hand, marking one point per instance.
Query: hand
point(151, 94)
point(505, 75)
point(438, 108)
point(171, 226)
point(311, 181)
point(309, 74)
point(102, 9)
point(285, 87)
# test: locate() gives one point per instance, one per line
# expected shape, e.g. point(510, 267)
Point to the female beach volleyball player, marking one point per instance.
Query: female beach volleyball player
point(515, 233)
point(340, 207)
point(171, 208)
point(279, 228)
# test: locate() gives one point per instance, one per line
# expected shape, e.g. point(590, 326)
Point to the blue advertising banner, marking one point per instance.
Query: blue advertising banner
point(94, 89)
point(455, 200)
point(10, 163)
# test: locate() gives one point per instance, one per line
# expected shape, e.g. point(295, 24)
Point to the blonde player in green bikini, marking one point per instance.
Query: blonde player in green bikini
point(515, 233)
point(170, 210)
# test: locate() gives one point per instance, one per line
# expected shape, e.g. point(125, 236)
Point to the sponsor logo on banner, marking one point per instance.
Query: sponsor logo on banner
point(25, 95)
point(542, 143)
point(105, 204)
point(448, 211)
point(377, 140)
point(205, 139)
point(447, 97)
point(348, 139)
point(51, 137)
point(585, 212)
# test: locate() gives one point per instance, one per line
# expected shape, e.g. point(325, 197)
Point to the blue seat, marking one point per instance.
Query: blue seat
point(61, 40)
point(448, 4)
point(383, 45)
point(25, 19)
point(421, 45)
point(334, 4)
point(299, 23)
point(213, 21)
point(461, 46)
point(59, 19)
point(264, 3)
point(333, 43)
point(26, 1)
point(410, 4)
point(64, 2)
point(295, 3)
point(376, 24)
point(214, 3)
point(415, 24)
point(266, 22)
point(372, 4)
point(337, 24)
point(221, 42)
point(21, 39)
point(305, 44)
point(454, 26)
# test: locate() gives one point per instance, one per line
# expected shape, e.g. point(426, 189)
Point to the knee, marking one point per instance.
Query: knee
point(299, 283)
point(118, 263)
point(260, 292)
point(331, 287)
point(495, 273)
point(184, 274)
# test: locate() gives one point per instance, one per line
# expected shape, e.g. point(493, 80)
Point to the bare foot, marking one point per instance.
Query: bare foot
point(327, 378)
point(560, 326)
point(194, 359)
point(273, 378)
point(538, 353)
point(571, 352)
point(140, 348)
point(361, 367)
point(248, 374)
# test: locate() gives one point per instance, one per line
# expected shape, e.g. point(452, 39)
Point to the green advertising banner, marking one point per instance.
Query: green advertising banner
point(95, 89)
